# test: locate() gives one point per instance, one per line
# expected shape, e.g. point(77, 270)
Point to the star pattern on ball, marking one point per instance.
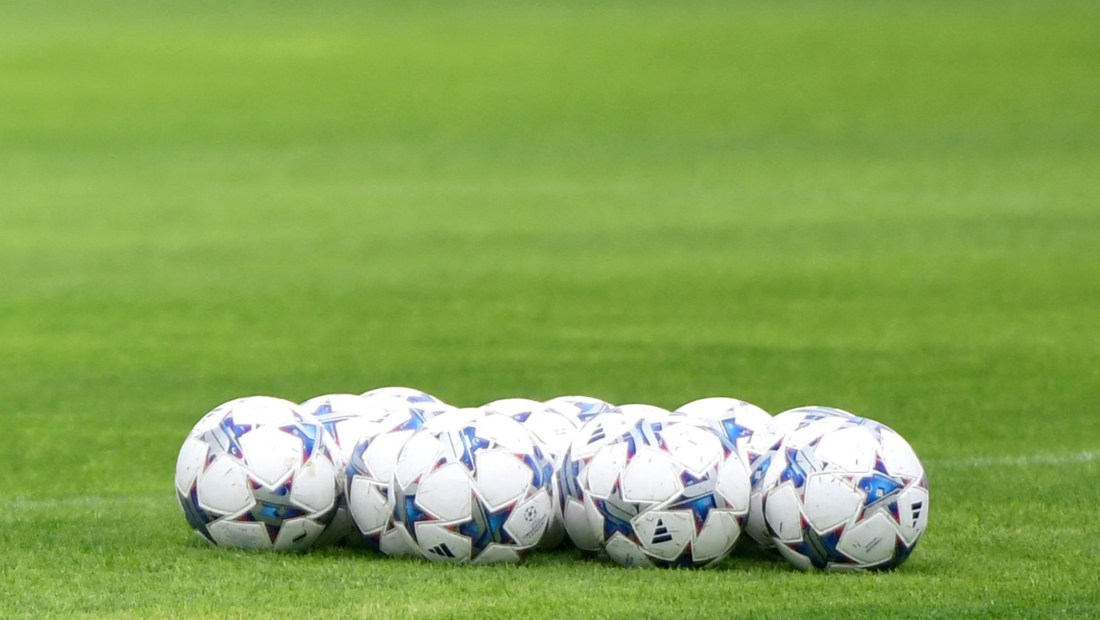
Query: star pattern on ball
point(229, 436)
point(700, 505)
point(405, 510)
point(486, 526)
point(617, 513)
point(732, 432)
point(307, 433)
point(471, 443)
point(819, 548)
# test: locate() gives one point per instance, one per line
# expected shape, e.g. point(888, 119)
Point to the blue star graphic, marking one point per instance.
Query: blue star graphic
point(486, 526)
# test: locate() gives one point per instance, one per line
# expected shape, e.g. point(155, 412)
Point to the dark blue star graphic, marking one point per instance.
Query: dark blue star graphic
point(793, 472)
point(471, 443)
point(819, 548)
point(760, 469)
point(586, 411)
point(641, 433)
point(878, 489)
point(405, 511)
point(486, 527)
point(700, 505)
point(307, 433)
point(233, 432)
point(617, 513)
point(732, 432)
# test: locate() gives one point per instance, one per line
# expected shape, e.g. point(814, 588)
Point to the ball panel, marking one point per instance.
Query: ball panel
point(733, 484)
point(871, 541)
point(798, 560)
point(240, 534)
point(397, 542)
point(446, 492)
point(530, 520)
point(898, 456)
point(717, 537)
point(368, 506)
point(440, 544)
point(501, 477)
point(315, 485)
point(664, 534)
point(379, 457)
point(224, 488)
point(830, 500)
point(578, 526)
point(297, 534)
point(694, 448)
point(851, 449)
point(417, 456)
point(782, 514)
point(498, 554)
point(191, 460)
point(650, 477)
point(271, 454)
point(626, 552)
point(601, 475)
point(912, 506)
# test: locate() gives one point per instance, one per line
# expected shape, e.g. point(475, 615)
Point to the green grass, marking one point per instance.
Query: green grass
point(888, 207)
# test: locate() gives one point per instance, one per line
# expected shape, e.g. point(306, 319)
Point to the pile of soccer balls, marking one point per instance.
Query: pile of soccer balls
point(402, 472)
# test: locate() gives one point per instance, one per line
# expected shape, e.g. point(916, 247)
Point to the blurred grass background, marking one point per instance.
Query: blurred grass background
point(889, 207)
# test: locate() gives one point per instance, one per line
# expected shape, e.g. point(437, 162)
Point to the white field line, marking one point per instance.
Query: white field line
point(83, 502)
point(1071, 458)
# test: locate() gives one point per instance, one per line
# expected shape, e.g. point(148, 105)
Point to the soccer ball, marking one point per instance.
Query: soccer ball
point(257, 473)
point(471, 488)
point(370, 476)
point(667, 494)
point(552, 430)
point(807, 423)
point(573, 502)
point(743, 427)
point(351, 420)
point(848, 496)
point(580, 408)
point(429, 406)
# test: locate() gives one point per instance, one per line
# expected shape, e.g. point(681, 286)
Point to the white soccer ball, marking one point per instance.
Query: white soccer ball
point(800, 421)
point(351, 420)
point(742, 426)
point(849, 497)
point(580, 408)
point(552, 430)
point(471, 488)
point(667, 494)
point(429, 406)
point(257, 473)
point(574, 503)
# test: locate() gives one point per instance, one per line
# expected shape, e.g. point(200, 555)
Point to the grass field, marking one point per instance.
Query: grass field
point(890, 207)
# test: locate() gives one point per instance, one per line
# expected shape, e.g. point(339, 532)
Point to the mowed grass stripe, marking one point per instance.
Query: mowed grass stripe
point(880, 207)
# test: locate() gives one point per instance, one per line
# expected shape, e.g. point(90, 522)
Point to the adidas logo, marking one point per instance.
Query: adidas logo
point(917, 508)
point(597, 435)
point(442, 550)
point(660, 533)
